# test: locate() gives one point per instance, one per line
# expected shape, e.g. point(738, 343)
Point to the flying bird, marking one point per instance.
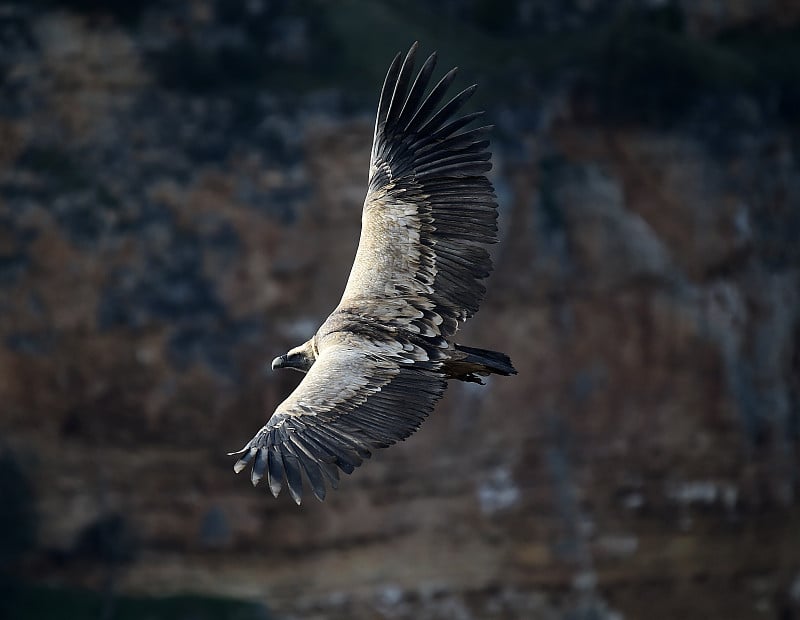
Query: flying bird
point(381, 360)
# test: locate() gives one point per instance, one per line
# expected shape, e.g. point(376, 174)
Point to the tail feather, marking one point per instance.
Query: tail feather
point(488, 362)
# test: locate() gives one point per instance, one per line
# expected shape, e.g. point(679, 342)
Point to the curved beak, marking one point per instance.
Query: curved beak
point(294, 359)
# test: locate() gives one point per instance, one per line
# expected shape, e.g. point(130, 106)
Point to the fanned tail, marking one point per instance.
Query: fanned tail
point(470, 364)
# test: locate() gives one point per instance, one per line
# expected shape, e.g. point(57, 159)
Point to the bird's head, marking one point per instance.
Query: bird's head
point(300, 358)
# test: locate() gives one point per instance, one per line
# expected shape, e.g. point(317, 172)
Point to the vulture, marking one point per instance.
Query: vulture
point(379, 363)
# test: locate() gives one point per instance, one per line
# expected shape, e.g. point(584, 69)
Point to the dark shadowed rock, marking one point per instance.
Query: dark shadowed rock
point(180, 196)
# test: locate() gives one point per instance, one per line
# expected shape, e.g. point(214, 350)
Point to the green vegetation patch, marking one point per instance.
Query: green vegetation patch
point(44, 603)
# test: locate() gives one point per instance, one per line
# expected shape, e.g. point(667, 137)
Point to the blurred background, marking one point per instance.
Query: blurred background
point(180, 194)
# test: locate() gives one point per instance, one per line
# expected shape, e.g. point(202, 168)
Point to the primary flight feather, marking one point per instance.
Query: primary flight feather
point(381, 360)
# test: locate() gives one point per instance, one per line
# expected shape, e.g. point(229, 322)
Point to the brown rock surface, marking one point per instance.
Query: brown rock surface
point(155, 254)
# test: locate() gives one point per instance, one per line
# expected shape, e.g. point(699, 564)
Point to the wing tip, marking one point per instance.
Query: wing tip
point(239, 465)
point(320, 493)
point(297, 495)
point(275, 489)
point(240, 451)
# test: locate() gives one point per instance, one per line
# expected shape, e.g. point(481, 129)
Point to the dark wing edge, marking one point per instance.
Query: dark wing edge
point(423, 155)
point(315, 440)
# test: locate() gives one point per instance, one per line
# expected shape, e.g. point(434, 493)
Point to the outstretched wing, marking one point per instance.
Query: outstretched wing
point(358, 396)
point(430, 209)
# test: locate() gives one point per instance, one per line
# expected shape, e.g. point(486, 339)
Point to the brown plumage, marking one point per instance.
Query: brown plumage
point(381, 360)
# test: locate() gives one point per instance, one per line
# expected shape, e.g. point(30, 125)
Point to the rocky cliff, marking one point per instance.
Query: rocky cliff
point(180, 194)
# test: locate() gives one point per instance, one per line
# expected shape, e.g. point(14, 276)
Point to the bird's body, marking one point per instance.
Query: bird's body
point(381, 360)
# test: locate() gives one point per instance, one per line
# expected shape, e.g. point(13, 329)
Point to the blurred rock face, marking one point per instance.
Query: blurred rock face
point(159, 246)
